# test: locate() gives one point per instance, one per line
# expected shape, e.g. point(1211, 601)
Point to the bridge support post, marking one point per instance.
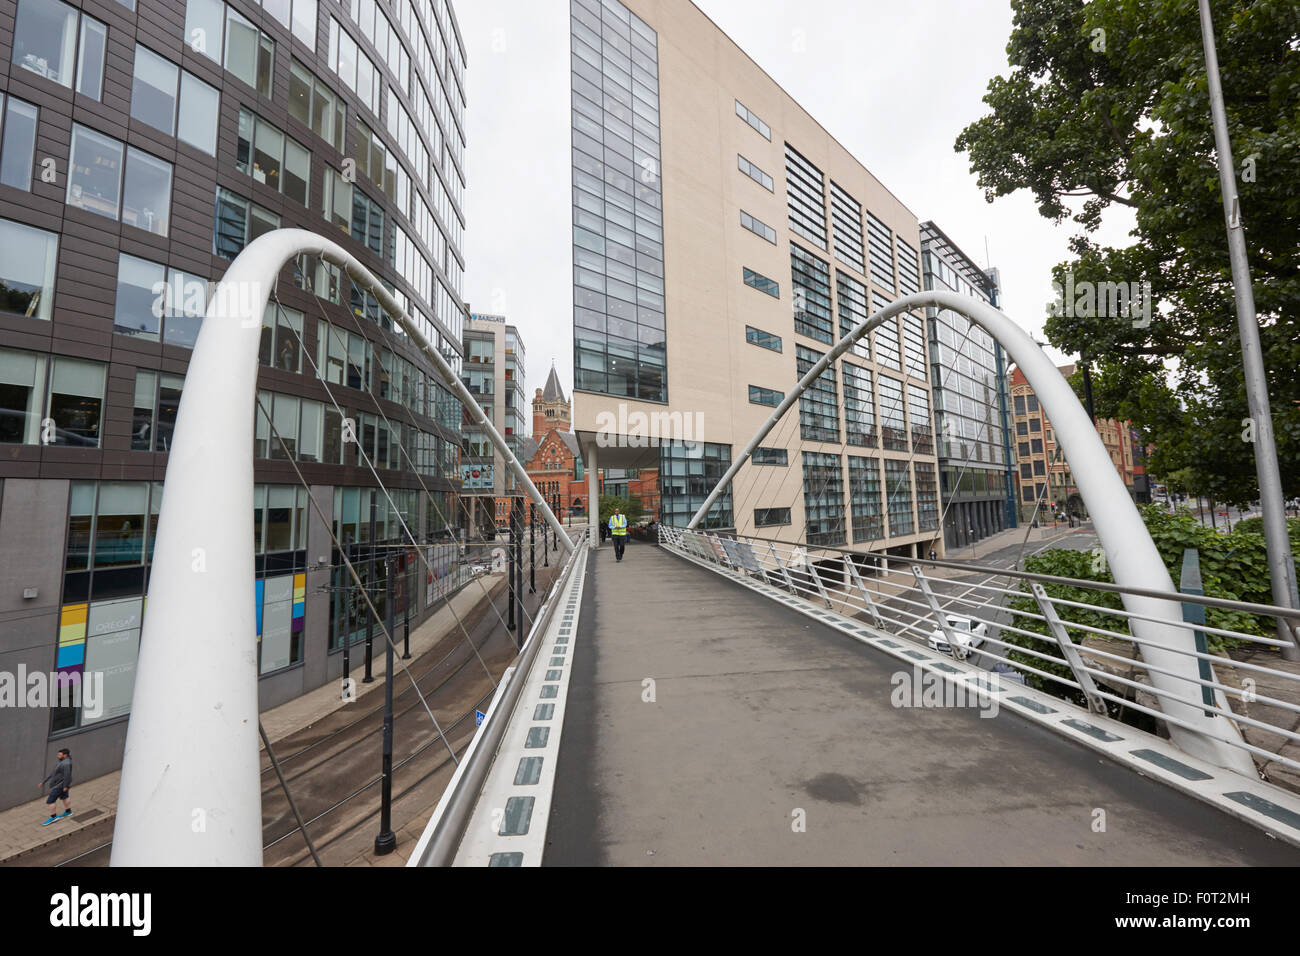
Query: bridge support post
point(1096, 703)
point(789, 582)
point(940, 618)
point(862, 589)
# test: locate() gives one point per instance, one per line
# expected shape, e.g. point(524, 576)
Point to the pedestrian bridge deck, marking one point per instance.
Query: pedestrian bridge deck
point(761, 712)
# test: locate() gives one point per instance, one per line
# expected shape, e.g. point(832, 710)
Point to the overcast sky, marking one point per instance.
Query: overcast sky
point(894, 82)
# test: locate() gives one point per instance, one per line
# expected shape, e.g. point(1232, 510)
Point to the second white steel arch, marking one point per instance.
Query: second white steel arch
point(1132, 554)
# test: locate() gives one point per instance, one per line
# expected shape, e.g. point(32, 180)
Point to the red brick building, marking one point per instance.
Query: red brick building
point(555, 465)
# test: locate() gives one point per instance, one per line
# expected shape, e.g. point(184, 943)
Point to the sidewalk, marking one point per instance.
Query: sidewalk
point(95, 800)
point(1043, 535)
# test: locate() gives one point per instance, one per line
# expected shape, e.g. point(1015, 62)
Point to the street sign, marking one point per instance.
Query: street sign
point(478, 718)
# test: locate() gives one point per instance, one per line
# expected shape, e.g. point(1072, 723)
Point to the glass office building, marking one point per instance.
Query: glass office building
point(143, 145)
point(724, 240)
point(971, 397)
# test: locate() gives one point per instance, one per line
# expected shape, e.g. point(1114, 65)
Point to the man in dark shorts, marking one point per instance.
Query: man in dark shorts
point(58, 782)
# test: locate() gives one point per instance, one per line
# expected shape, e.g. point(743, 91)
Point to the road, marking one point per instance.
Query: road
point(333, 765)
point(964, 595)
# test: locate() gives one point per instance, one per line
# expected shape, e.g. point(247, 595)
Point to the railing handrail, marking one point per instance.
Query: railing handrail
point(1269, 610)
point(458, 808)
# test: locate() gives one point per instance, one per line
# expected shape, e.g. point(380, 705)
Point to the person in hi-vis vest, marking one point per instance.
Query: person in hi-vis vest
point(618, 529)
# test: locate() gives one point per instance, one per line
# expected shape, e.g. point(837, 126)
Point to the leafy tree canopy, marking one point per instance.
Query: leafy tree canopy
point(1107, 104)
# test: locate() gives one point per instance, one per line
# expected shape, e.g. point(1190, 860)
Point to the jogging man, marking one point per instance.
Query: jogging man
point(59, 780)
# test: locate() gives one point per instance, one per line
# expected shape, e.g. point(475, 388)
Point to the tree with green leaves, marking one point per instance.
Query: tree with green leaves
point(1106, 104)
point(631, 507)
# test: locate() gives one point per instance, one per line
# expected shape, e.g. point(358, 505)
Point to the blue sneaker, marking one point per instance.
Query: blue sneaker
point(65, 813)
point(49, 821)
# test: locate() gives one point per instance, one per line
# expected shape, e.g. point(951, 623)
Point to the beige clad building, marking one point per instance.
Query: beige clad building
point(723, 241)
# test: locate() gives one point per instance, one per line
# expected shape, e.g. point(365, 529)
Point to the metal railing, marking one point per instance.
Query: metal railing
point(1010, 622)
point(442, 838)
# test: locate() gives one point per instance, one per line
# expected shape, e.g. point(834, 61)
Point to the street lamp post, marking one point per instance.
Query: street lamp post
point(1281, 567)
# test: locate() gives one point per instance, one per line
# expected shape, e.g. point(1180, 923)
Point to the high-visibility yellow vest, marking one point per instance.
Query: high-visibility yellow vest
point(618, 524)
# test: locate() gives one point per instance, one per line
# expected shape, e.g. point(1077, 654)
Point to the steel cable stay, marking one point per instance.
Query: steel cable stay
point(357, 578)
point(403, 449)
point(388, 423)
point(388, 497)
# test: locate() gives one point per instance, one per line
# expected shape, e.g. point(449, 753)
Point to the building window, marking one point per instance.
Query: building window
point(763, 129)
point(880, 242)
point(22, 393)
point(909, 277)
point(851, 296)
point(138, 306)
point(313, 104)
point(893, 428)
point(914, 345)
point(76, 401)
point(272, 158)
point(688, 471)
point(146, 192)
point(864, 496)
point(846, 226)
point(812, 295)
point(770, 456)
point(765, 339)
point(823, 498)
point(342, 357)
point(1035, 424)
point(367, 222)
point(761, 283)
point(174, 100)
point(27, 270)
point(885, 336)
point(806, 197)
point(47, 42)
point(280, 346)
point(818, 405)
point(153, 90)
point(769, 517)
point(157, 402)
point(1037, 444)
point(859, 407)
point(927, 497)
point(18, 145)
point(1039, 467)
point(95, 181)
point(918, 407)
point(754, 173)
point(899, 487)
point(95, 172)
point(1031, 403)
point(297, 431)
point(354, 67)
point(238, 222)
point(250, 53)
point(1020, 404)
point(758, 227)
point(765, 396)
point(197, 118)
point(1026, 470)
point(1023, 449)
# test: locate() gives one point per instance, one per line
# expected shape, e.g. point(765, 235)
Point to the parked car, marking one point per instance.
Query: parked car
point(970, 634)
point(478, 569)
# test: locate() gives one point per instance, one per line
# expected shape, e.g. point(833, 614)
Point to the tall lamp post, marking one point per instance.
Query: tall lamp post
point(1281, 567)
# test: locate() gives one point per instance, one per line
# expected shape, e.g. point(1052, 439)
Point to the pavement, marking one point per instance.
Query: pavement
point(96, 799)
point(717, 727)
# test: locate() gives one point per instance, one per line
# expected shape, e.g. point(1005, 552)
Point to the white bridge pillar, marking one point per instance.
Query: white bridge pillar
point(191, 789)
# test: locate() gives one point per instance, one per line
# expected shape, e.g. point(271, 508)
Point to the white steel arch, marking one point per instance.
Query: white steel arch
point(1133, 557)
point(190, 790)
